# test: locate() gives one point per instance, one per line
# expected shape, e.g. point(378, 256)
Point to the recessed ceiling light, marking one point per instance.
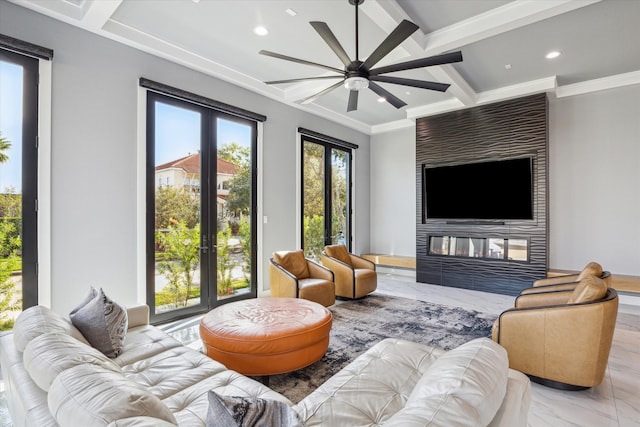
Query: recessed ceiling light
point(382, 99)
point(291, 12)
point(553, 54)
point(507, 66)
point(260, 30)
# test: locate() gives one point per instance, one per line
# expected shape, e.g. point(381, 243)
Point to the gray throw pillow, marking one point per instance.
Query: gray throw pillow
point(102, 322)
point(232, 411)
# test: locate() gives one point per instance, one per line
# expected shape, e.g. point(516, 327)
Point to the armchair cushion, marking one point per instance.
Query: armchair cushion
point(294, 262)
point(591, 269)
point(338, 252)
point(589, 289)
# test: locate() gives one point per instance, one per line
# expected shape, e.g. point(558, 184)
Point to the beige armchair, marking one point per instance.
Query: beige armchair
point(568, 282)
point(561, 339)
point(292, 275)
point(355, 277)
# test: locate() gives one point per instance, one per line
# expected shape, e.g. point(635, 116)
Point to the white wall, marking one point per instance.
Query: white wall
point(393, 192)
point(594, 180)
point(594, 175)
point(94, 134)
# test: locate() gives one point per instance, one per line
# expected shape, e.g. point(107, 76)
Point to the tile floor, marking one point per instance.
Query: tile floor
point(614, 403)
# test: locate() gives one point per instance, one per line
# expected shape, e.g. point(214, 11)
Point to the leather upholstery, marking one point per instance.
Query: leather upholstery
point(406, 384)
point(354, 279)
point(292, 261)
point(317, 284)
point(568, 281)
point(544, 335)
point(266, 336)
point(170, 375)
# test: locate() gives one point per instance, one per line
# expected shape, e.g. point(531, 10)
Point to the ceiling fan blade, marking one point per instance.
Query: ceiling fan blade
point(353, 101)
point(446, 58)
point(275, 82)
point(319, 94)
point(393, 40)
point(440, 87)
point(327, 35)
point(391, 98)
point(299, 61)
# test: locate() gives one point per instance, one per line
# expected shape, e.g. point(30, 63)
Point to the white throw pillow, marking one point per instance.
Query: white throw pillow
point(102, 321)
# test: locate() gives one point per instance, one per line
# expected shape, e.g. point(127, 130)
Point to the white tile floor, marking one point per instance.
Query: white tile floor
point(614, 403)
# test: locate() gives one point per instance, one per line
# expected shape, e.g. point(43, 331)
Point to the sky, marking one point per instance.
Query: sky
point(178, 131)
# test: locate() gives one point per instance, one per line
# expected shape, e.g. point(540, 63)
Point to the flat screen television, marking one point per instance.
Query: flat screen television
point(492, 190)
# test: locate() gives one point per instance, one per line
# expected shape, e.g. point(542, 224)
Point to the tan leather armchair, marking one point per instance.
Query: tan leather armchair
point(561, 339)
point(568, 282)
point(355, 277)
point(291, 275)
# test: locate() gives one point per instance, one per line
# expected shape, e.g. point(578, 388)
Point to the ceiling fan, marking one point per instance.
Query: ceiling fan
point(358, 75)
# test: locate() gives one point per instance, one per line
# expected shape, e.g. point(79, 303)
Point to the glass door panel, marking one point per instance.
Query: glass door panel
point(235, 229)
point(18, 185)
point(11, 83)
point(339, 196)
point(178, 273)
point(313, 199)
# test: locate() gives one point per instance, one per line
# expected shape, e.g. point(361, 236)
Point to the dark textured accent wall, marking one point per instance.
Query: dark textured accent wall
point(499, 131)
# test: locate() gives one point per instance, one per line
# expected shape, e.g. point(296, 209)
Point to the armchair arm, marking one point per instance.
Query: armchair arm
point(319, 272)
point(566, 278)
point(359, 262)
point(282, 283)
point(550, 288)
point(542, 299)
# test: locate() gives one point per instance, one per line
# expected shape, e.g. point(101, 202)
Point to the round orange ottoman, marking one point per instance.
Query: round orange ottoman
point(266, 336)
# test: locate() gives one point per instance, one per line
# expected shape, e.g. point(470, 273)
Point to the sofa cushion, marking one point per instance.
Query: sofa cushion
point(589, 289)
point(294, 262)
point(338, 252)
point(51, 353)
point(38, 320)
point(102, 321)
point(470, 380)
point(90, 395)
point(249, 411)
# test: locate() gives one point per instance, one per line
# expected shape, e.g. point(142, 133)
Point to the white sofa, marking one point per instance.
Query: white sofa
point(54, 378)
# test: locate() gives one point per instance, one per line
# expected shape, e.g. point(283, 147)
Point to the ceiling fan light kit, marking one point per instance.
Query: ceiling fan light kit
point(358, 75)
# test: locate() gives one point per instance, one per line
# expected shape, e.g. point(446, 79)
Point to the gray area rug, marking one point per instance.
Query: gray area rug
point(358, 325)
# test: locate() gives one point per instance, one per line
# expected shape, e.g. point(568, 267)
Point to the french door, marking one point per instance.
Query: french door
point(18, 185)
point(326, 196)
point(201, 198)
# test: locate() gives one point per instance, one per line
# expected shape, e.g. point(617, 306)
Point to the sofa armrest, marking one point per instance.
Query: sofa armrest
point(138, 315)
point(514, 410)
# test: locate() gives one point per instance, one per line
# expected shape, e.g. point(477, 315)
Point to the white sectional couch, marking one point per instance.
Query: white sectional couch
point(54, 378)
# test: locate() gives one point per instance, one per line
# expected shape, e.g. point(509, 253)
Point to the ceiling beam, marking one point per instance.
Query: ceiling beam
point(97, 13)
point(496, 21)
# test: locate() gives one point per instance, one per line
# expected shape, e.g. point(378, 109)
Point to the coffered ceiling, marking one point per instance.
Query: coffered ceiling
point(503, 44)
